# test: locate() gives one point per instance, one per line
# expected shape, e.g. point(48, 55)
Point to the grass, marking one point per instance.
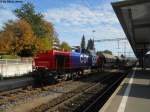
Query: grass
point(8, 57)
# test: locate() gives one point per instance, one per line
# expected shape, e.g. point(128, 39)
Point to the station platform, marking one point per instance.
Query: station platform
point(132, 95)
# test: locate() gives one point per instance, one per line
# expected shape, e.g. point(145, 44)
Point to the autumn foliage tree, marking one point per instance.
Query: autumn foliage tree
point(29, 34)
point(6, 37)
point(25, 44)
point(42, 29)
point(19, 38)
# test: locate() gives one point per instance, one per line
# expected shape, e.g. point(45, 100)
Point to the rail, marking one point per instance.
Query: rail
point(98, 102)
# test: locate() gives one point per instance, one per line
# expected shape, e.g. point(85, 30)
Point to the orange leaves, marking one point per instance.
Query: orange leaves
point(17, 36)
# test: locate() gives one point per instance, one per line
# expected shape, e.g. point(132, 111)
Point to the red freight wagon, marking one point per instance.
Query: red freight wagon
point(52, 60)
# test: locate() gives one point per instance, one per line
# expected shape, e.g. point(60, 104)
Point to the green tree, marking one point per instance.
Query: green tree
point(65, 46)
point(99, 53)
point(90, 45)
point(107, 52)
point(29, 34)
point(83, 44)
point(28, 13)
point(42, 29)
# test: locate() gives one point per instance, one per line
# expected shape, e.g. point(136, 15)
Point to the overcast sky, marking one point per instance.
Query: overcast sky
point(73, 18)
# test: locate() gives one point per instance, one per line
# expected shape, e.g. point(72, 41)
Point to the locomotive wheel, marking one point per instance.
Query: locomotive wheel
point(69, 76)
point(49, 78)
point(73, 75)
point(66, 76)
point(44, 77)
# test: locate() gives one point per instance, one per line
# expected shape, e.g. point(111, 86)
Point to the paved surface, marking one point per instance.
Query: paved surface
point(133, 94)
point(10, 84)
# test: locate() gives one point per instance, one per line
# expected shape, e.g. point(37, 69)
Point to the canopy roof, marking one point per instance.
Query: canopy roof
point(134, 17)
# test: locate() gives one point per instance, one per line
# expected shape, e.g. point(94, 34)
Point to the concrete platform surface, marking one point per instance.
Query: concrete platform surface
point(133, 94)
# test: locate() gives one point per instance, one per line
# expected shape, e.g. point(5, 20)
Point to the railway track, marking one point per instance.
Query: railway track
point(12, 98)
point(73, 101)
point(101, 97)
point(82, 101)
point(9, 99)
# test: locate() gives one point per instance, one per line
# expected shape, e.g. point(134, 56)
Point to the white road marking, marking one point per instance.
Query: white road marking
point(126, 94)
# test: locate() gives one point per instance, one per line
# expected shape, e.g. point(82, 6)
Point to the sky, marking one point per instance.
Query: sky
point(74, 18)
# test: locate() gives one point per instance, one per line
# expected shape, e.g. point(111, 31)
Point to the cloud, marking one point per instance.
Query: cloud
point(82, 18)
point(81, 15)
point(5, 15)
point(73, 21)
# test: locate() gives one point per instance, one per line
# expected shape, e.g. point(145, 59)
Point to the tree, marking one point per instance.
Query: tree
point(24, 41)
point(28, 13)
point(19, 38)
point(99, 53)
point(65, 46)
point(6, 38)
point(42, 29)
point(90, 45)
point(29, 34)
point(83, 44)
point(107, 52)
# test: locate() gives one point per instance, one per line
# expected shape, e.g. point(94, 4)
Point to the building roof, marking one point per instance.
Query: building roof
point(134, 17)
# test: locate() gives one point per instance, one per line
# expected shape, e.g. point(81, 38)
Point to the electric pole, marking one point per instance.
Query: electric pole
point(110, 40)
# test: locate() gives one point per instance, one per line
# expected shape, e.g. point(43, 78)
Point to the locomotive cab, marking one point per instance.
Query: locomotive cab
point(52, 60)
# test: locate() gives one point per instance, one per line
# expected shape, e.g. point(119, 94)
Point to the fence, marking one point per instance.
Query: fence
point(15, 67)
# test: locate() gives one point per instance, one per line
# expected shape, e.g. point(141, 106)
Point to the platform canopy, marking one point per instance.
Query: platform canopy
point(134, 17)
